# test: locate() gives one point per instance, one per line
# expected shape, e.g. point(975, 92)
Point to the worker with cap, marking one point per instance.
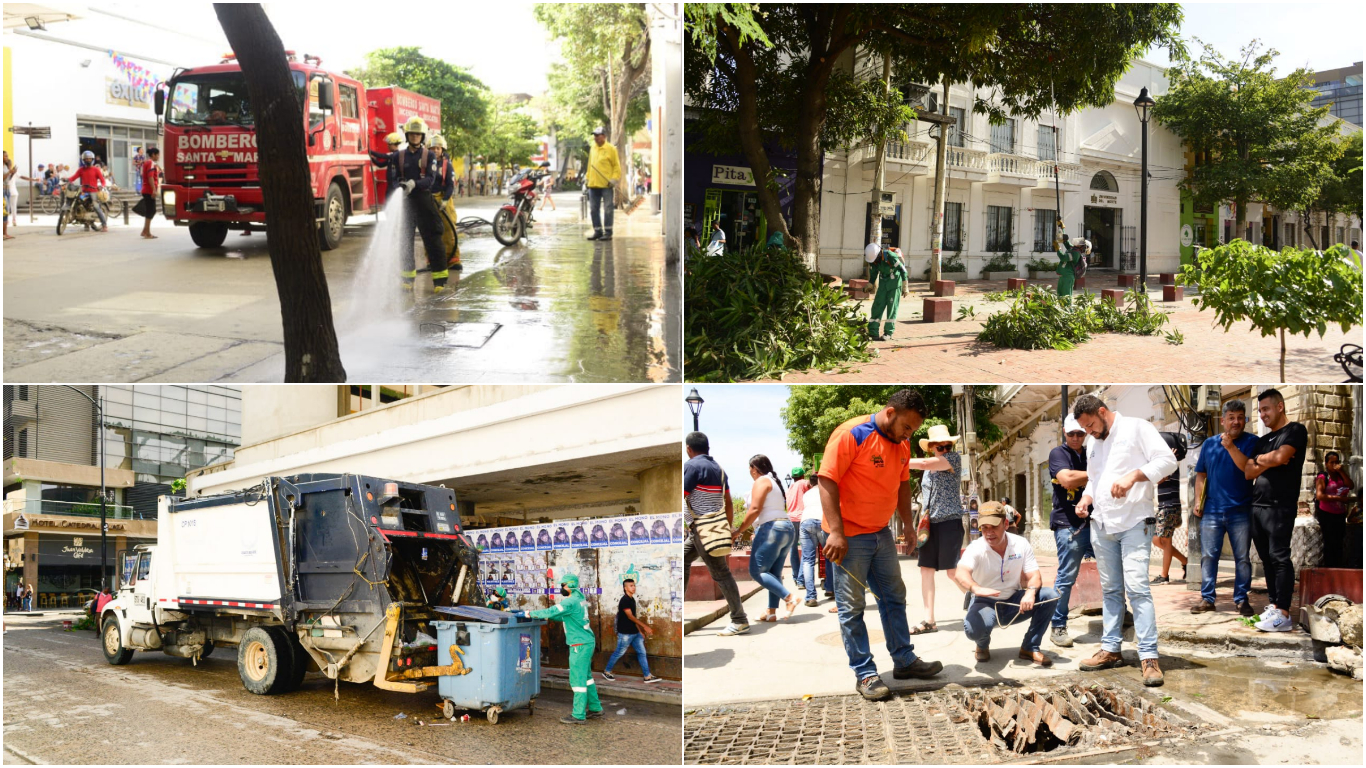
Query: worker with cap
point(1000, 572)
point(1070, 256)
point(498, 601)
point(579, 635)
point(445, 202)
point(604, 170)
point(1071, 527)
point(414, 168)
point(888, 273)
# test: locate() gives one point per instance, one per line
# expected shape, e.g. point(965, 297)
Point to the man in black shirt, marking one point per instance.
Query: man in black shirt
point(629, 628)
point(706, 490)
point(1274, 469)
point(1071, 530)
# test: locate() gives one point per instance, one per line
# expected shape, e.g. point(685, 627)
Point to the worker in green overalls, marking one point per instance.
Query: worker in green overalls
point(579, 635)
point(1069, 255)
point(888, 273)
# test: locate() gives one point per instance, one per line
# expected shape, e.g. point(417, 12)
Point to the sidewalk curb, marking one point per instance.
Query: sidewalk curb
point(605, 688)
point(1222, 638)
point(707, 618)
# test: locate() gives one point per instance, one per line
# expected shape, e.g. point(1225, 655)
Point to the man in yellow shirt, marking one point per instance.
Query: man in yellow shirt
point(604, 169)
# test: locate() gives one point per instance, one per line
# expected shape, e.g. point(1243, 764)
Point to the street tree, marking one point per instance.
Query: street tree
point(311, 353)
point(606, 51)
point(463, 96)
point(1341, 193)
point(765, 75)
point(1254, 134)
point(509, 136)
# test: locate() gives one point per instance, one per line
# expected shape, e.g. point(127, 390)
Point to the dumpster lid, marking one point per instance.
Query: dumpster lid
point(477, 613)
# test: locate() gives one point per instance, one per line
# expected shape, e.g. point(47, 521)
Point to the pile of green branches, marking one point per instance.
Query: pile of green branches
point(756, 313)
point(1039, 319)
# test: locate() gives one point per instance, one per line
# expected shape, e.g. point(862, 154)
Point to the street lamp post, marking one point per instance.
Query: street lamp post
point(1142, 104)
point(694, 402)
point(104, 525)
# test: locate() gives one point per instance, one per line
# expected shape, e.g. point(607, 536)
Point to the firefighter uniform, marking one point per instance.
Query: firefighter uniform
point(889, 275)
point(579, 635)
point(419, 167)
point(445, 206)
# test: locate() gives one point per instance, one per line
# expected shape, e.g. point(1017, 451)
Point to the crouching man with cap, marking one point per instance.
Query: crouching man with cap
point(1000, 572)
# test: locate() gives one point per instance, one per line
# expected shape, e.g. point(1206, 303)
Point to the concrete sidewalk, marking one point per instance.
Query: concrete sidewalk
point(805, 654)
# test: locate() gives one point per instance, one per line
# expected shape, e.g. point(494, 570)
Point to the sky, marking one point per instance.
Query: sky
point(741, 420)
point(500, 42)
point(1317, 35)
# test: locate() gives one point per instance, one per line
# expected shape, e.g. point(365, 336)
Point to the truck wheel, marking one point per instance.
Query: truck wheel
point(208, 234)
point(334, 219)
point(264, 661)
point(299, 659)
point(507, 227)
point(114, 652)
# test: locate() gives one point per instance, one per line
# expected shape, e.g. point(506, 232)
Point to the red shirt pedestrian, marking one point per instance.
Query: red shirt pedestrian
point(151, 178)
point(91, 178)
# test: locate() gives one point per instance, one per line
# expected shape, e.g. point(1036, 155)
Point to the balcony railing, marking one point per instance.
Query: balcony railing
point(1068, 173)
point(1004, 162)
point(69, 508)
point(922, 152)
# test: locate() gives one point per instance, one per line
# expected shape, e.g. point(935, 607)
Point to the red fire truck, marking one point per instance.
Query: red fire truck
point(209, 147)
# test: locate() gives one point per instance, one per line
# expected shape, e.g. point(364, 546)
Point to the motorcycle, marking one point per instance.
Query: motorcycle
point(78, 207)
point(513, 219)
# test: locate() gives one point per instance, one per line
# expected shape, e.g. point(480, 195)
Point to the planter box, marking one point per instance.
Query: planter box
point(1172, 293)
point(1167, 278)
point(1080, 282)
point(1036, 275)
point(938, 310)
point(943, 287)
point(1015, 282)
point(1128, 281)
point(953, 276)
point(1114, 296)
point(1000, 275)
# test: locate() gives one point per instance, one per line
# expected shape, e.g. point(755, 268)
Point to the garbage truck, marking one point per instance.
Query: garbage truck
point(340, 573)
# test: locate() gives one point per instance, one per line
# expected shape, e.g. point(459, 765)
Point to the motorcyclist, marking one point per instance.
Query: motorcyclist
point(445, 203)
point(414, 167)
point(92, 183)
point(579, 635)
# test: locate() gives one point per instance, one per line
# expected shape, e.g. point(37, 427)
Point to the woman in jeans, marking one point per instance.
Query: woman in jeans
point(773, 535)
point(944, 506)
point(1332, 494)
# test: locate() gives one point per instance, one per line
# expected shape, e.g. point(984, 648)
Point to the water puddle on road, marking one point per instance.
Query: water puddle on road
point(1238, 685)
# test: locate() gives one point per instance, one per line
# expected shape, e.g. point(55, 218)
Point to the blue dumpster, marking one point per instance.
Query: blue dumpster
point(503, 653)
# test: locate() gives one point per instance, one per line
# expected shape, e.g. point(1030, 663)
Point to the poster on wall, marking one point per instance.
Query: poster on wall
point(659, 531)
point(973, 531)
point(616, 535)
point(598, 535)
point(561, 537)
point(579, 538)
point(677, 533)
point(639, 533)
point(528, 540)
point(543, 538)
point(626, 531)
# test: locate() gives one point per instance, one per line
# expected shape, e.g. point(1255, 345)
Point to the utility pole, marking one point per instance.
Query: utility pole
point(880, 170)
point(1062, 420)
point(940, 189)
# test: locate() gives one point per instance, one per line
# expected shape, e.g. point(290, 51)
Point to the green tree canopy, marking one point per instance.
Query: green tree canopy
point(463, 96)
point(1255, 136)
point(1341, 193)
point(509, 135)
point(769, 75)
point(813, 412)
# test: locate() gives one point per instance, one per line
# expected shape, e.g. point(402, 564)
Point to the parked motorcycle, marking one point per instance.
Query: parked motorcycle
point(513, 219)
point(78, 207)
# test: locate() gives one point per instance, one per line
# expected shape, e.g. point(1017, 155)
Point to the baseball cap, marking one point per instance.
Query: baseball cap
point(1070, 424)
point(599, 131)
point(991, 513)
point(798, 472)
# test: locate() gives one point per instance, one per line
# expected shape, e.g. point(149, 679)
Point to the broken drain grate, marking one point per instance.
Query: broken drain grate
point(945, 727)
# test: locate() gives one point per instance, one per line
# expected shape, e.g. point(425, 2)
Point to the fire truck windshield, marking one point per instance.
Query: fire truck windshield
point(215, 99)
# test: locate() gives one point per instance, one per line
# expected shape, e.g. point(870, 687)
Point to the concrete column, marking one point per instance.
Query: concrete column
point(31, 561)
point(661, 489)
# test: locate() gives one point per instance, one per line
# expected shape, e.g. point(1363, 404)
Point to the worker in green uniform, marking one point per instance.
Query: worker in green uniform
point(577, 633)
point(888, 273)
point(1069, 255)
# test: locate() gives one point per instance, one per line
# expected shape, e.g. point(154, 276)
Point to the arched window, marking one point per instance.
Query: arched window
point(1105, 182)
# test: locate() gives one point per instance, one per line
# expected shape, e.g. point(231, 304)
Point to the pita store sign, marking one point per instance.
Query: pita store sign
point(236, 147)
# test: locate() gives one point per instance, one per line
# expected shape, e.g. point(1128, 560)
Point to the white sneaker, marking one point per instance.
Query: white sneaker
point(733, 629)
point(1276, 622)
point(1267, 612)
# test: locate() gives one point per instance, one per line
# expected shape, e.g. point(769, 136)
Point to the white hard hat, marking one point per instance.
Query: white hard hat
point(870, 253)
point(1070, 424)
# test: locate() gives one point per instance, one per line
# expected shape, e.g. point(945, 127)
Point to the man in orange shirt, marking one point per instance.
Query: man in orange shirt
point(864, 477)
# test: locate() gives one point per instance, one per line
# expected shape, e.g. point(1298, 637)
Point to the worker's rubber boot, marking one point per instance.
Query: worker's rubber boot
point(571, 720)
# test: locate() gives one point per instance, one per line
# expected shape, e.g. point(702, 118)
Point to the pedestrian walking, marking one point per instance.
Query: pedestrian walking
point(547, 186)
point(717, 244)
point(578, 634)
point(1169, 512)
point(1125, 460)
point(28, 598)
point(1000, 573)
point(705, 492)
point(19, 589)
point(1274, 468)
point(1332, 493)
point(1012, 514)
point(1071, 527)
point(10, 172)
point(1223, 504)
point(773, 535)
point(864, 476)
point(796, 503)
point(812, 540)
point(149, 182)
point(138, 160)
point(629, 634)
point(944, 508)
point(604, 170)
point(887, 272)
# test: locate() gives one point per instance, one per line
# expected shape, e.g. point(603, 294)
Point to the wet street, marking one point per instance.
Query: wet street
point(555, 308)
point(64, 704)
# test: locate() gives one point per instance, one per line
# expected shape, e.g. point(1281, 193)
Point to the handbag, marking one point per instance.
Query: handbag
point(714, 532)
point(922, 528)
point(143, 208)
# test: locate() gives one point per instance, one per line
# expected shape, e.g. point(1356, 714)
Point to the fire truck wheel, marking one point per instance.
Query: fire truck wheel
point(208, 234)
point(114, 652)
point(264, 661)
point(334, 219)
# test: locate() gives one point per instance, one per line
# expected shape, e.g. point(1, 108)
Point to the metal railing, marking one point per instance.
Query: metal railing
point(71, 508)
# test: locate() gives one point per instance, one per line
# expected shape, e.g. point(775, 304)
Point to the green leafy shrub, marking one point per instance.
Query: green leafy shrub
point(1039, 319)
point(950, 263)
point(1001, 262)
point(756, 313)
point(1295, 290)
point(1042, 265)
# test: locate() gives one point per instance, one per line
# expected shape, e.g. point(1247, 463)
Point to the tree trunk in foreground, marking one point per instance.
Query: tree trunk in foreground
point(311, 353)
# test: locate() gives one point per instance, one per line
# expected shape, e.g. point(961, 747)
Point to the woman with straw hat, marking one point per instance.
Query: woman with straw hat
point(944, 508)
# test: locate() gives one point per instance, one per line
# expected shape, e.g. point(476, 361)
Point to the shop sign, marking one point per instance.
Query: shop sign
point(888, 210)
point(1187, 235)
point(732, 174)
point(20, 522)
point(1100, 198)
point(121, 92)
point(62, 523)
point(63, 549)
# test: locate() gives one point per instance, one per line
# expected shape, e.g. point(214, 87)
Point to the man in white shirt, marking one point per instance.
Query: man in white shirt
point(999, 567)
point(1124, 463)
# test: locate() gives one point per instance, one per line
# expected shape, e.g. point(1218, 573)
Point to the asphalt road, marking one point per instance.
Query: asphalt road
point(64, 704)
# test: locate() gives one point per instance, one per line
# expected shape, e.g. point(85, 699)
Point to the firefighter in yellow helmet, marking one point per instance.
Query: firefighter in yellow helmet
point(413, 168)
point(445, 204)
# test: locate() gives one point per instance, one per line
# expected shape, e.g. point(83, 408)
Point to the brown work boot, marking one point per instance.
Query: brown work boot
point(1152, 674)
point(982, 654)
point(1102, 660)
point(1037, 657)
point(1204, 606)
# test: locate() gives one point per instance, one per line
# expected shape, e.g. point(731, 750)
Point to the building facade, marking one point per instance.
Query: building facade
point(1340, 90)
point(151, 437)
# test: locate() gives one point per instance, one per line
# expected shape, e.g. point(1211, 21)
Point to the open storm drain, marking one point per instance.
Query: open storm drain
point(945, 727)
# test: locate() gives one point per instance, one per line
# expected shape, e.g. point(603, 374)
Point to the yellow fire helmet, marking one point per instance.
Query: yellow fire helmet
point(439, 141)
point(394, 139)
point(415, 125)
